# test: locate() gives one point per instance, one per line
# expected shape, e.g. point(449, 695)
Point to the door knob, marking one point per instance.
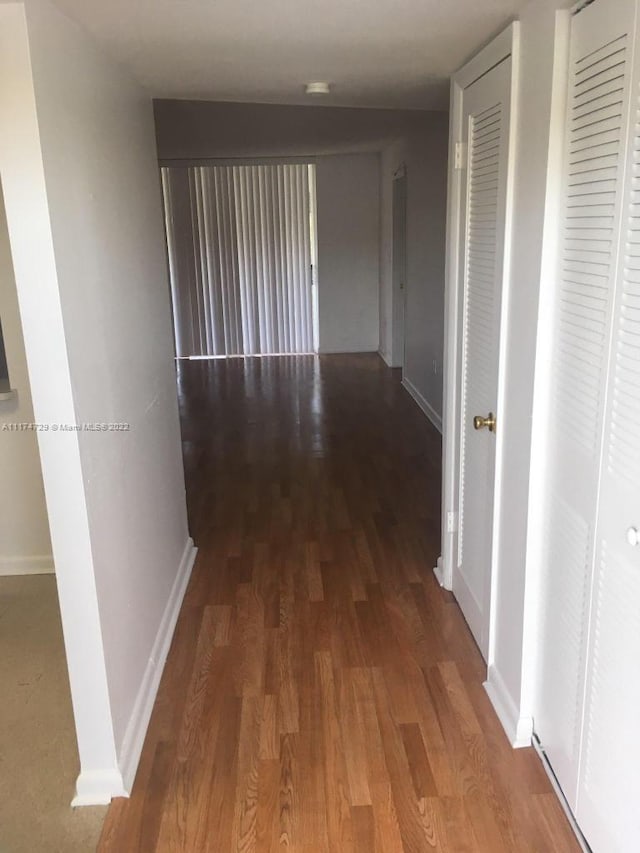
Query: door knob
point(633, 536)
point(489, 422)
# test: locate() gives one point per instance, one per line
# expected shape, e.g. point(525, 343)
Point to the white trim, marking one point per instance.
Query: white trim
point(356, 350)
point(439, 571)
point(518, 729)
point(386, 357)
point(139, 721)
point(451, 343)
point(26, 566)
point(98, 787)
point(502, 413)
point(424, 404)
point(488, 57)
point(543, 364)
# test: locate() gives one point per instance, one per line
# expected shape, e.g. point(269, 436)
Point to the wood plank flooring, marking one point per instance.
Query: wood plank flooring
point(322, 692)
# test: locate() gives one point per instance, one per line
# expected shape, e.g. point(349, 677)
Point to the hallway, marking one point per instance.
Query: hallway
point(322, 692)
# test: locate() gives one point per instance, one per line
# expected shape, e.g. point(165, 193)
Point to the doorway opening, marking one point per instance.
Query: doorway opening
point(241, 242)
point(399, 261)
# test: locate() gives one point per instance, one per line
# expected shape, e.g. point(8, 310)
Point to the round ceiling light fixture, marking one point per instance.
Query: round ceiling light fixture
point(317, 88)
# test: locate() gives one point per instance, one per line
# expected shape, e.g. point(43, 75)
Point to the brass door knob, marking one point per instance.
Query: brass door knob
point(489, 422)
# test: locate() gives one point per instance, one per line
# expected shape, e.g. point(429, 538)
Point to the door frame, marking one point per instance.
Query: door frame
point(399, 292)
point(313, 236)
point(504, 45)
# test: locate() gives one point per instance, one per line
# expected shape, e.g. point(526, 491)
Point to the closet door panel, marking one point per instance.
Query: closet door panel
point(607, 809)
point(610, 765)
point(592, 189)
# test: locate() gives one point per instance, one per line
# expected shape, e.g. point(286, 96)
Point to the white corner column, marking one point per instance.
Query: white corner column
point(25, 192)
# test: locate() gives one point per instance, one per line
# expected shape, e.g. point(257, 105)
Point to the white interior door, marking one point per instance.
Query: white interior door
point(608, 786)
point(486, 117)
point(592, 203)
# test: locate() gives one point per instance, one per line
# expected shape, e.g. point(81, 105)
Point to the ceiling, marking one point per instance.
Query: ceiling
point(375, 53)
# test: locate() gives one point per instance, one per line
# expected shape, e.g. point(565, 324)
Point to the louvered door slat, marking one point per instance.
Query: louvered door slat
point(593, 176)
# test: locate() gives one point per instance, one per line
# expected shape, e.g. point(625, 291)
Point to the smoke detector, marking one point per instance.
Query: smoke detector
point(317, 88)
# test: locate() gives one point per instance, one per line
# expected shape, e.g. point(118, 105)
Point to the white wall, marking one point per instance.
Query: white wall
point(514, 605)
point(83, 206)
point(25, 545)
point(348, 193)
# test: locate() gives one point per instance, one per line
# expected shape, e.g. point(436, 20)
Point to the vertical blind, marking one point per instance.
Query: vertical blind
point(239, 240)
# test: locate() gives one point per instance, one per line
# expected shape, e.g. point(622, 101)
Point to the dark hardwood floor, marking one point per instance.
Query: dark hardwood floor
point(322, 692)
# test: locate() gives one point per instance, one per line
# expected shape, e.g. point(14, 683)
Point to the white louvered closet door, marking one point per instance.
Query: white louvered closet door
point(609, 781)
point(486, 111)
point(593, 179)
point(588, 701)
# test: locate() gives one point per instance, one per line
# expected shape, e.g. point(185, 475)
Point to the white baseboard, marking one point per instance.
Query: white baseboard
point(519, 729)
point(98, 787)
point(426, 407)
point(139, 721)
point(385, 357)
point(350, 349)
point(27, 565)
point(440, 571)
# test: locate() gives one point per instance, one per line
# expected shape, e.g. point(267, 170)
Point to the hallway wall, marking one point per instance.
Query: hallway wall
point(424, 155)
point(392, 157)
point(77, 158)
point(200, 129)
point(348, 256)
point(25, 545)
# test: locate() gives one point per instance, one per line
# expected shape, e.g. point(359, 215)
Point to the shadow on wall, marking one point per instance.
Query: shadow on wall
point(425, 156)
